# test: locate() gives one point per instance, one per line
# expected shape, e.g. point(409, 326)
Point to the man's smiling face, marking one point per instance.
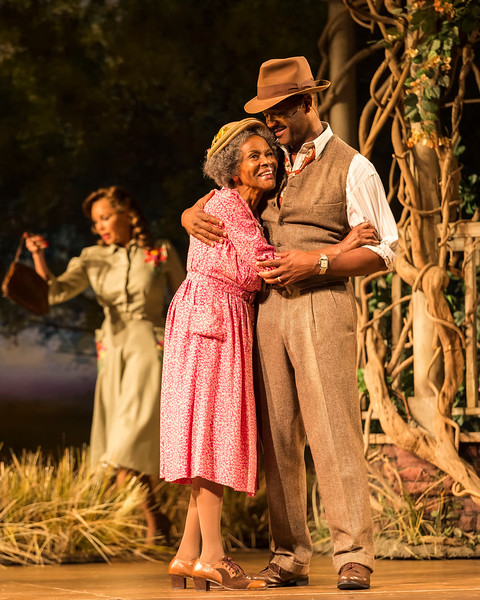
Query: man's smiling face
point(288, 121)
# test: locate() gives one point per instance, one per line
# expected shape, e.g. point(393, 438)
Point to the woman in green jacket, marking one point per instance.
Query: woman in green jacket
point(129, 275)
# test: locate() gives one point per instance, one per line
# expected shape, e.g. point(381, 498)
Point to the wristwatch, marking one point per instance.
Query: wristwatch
point(323, 264)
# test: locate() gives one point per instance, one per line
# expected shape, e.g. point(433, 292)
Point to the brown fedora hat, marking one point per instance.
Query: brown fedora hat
point(280, 78)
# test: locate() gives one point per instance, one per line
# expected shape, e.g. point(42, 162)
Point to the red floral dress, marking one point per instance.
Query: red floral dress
point(208, 426)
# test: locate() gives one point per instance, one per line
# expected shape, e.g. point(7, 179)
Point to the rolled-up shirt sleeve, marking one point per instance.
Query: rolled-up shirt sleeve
point(70, 283)
point(366, 201)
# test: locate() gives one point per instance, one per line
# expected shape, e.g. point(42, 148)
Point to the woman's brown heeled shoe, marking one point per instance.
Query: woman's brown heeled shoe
point(226, 573)
point(179, 571)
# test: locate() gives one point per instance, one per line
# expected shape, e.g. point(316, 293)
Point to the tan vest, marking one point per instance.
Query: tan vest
point(313, 213)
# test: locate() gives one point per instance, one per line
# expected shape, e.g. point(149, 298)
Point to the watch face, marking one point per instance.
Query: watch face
point(323, 264)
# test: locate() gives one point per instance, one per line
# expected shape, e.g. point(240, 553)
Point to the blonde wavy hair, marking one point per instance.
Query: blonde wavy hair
point(121, 201)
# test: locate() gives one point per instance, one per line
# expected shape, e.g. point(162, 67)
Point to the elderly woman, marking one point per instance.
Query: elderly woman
point(128, 274)
point(208, 429)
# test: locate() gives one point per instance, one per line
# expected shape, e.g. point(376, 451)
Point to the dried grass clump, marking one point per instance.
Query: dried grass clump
point(415, 526)
point(245, 519)
point(419, 526)
point(59, 511)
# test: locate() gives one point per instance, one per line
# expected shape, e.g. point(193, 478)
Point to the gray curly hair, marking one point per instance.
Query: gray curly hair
point(223, 166)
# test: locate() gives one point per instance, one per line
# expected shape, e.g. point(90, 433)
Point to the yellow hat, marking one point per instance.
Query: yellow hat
point(229, 131)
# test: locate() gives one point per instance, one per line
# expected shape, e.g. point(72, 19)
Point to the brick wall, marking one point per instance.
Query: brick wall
point(419, 476)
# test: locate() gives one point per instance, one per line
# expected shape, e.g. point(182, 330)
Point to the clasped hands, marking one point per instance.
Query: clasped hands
point(287, 267)
point(294, 265)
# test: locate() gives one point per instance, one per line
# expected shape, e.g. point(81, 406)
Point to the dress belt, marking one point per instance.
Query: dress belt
point(228, 288)
point(116, 314)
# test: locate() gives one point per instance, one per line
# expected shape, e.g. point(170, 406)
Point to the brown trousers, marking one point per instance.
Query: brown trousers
point(307, 389)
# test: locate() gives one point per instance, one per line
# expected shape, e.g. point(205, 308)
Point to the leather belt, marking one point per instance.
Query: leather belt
point(297, 290)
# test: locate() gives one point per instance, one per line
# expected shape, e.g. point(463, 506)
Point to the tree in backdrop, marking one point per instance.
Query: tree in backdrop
point(124, 92)
point(418, 94)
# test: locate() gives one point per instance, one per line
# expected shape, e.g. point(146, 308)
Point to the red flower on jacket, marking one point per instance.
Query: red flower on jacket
point(156, 255)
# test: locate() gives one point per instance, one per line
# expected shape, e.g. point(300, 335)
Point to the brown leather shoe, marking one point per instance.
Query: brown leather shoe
point(179, 571)
point(353, 576)
point(226, 573)
point(275, 576)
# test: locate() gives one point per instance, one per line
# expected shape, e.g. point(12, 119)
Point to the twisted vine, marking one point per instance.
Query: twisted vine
point(428, 54)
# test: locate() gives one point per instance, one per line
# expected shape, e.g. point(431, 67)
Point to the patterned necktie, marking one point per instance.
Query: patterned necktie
point(307, 158)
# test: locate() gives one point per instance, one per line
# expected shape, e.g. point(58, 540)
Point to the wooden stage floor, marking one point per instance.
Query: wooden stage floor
point(142, 580)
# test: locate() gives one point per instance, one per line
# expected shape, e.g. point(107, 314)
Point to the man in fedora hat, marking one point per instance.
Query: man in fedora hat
point(328, 221)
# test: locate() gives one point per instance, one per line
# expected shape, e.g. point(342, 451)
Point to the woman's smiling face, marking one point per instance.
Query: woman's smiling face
point(258, 166)
point(112, 226)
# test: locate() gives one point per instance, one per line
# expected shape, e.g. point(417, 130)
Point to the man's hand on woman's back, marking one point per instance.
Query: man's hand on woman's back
point(204, 227)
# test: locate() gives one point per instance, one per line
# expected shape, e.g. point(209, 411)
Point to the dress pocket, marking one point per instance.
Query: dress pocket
point(208, 321)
